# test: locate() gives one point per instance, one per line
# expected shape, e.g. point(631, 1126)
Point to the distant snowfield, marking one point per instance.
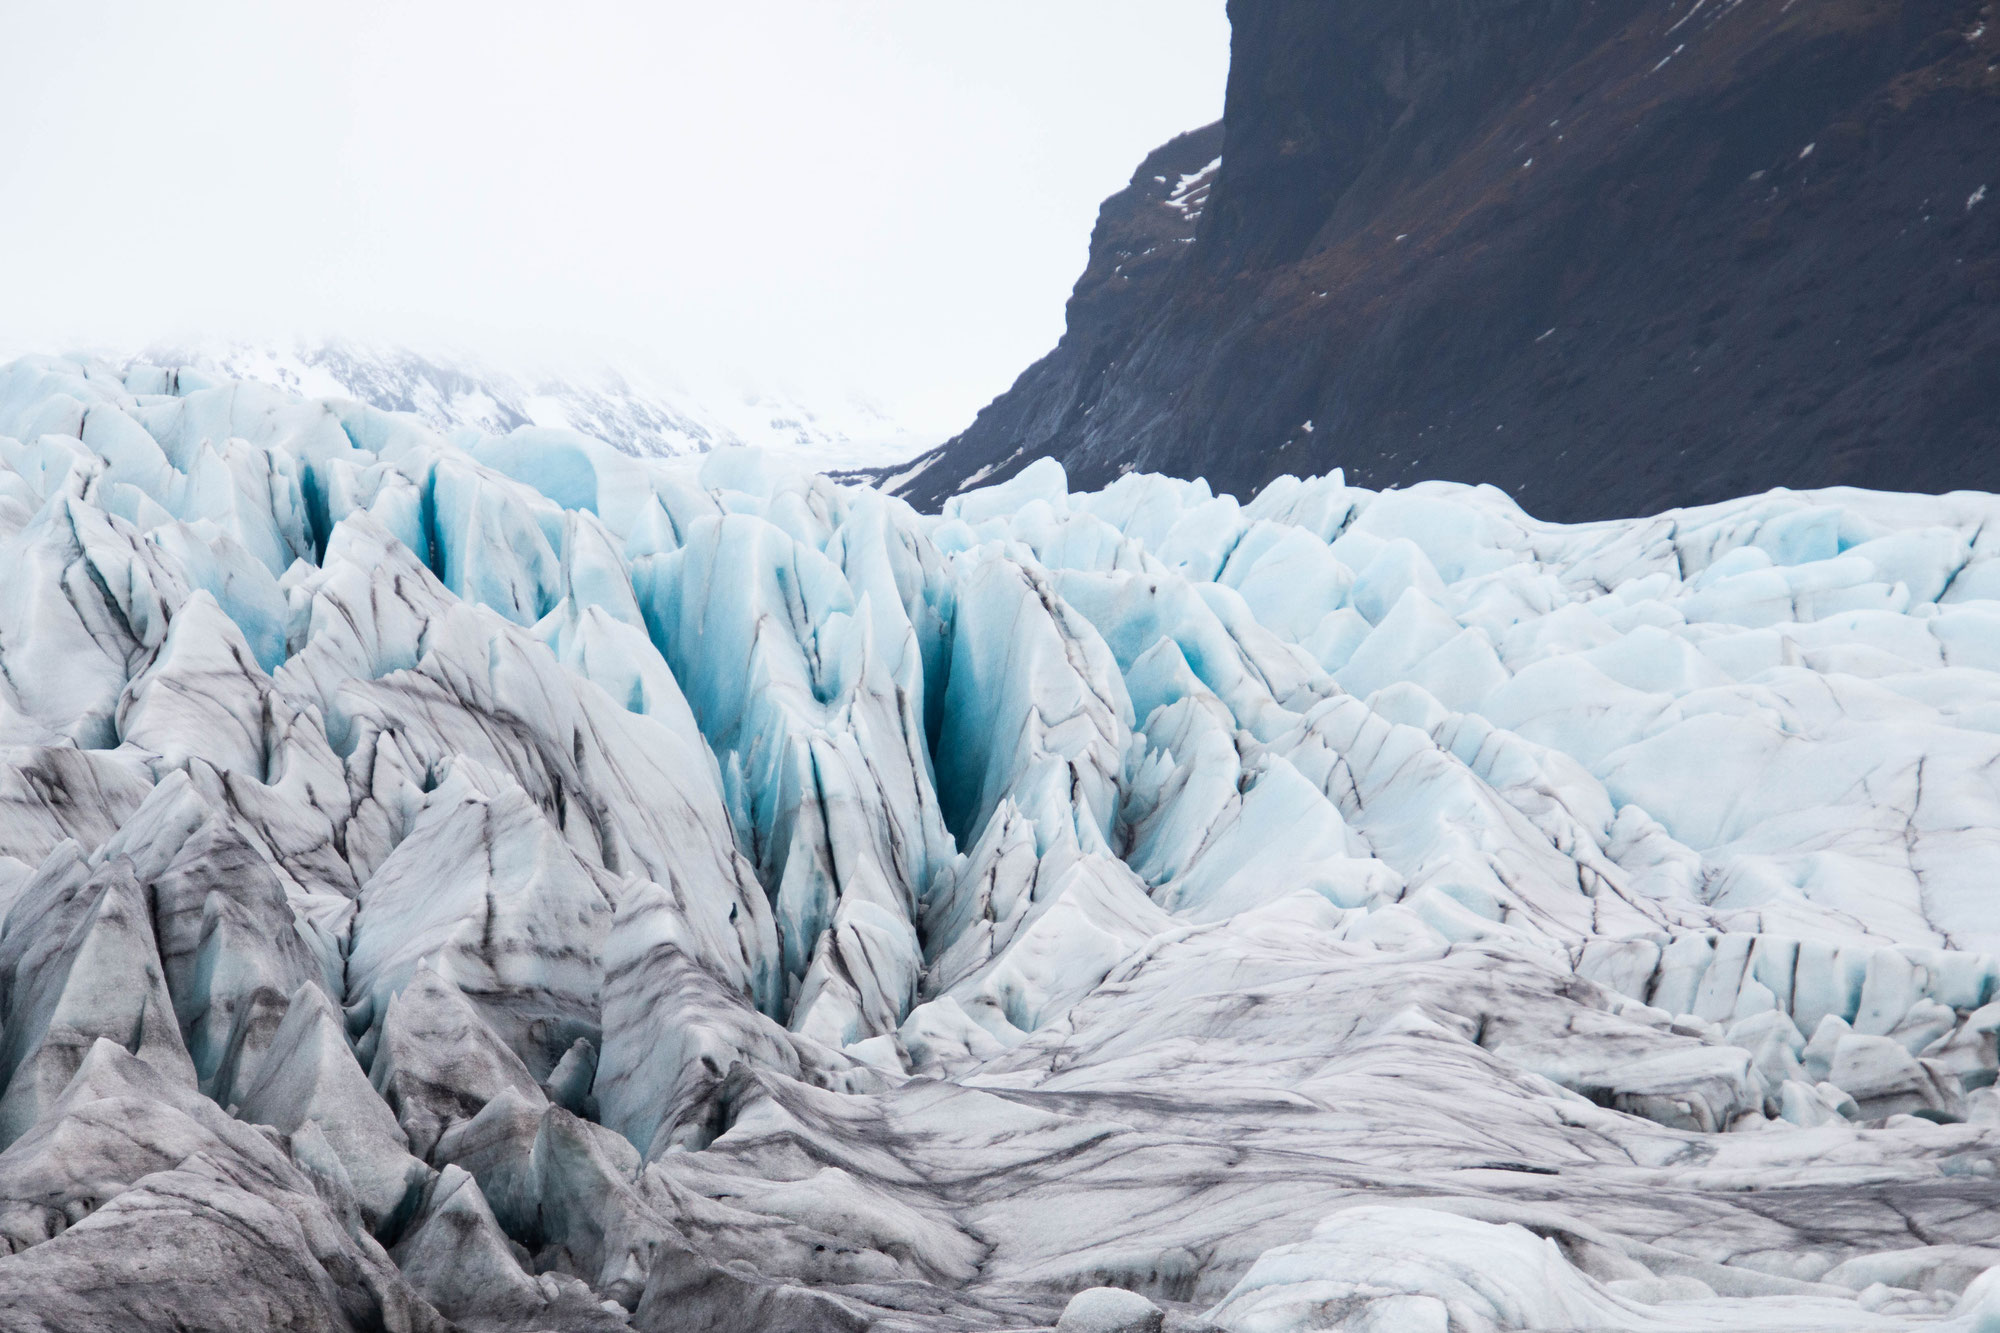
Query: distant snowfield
point(637, 412)
point(499, 879)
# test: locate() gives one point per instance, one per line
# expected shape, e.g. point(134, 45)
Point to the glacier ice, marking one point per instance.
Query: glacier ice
point(499, 883)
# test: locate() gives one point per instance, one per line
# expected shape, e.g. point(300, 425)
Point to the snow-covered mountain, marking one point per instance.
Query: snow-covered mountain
point(500, 882)
point(646, 415)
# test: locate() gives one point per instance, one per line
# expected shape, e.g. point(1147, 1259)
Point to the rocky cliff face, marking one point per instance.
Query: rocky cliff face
point(1610, 255)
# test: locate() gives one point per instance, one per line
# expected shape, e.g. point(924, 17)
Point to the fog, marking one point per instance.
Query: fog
point(868, 195)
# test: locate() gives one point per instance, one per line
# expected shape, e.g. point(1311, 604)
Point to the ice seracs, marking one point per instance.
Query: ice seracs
point(498, 882)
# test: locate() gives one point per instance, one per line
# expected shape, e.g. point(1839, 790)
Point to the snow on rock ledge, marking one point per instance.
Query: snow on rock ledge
point(503, 881)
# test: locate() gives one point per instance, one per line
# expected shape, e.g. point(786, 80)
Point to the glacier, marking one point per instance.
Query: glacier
point(498, 883)
point(637, 409)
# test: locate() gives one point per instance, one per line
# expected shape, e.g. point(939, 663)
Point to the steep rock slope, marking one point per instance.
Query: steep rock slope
point(501, 884)
point(1610, 255)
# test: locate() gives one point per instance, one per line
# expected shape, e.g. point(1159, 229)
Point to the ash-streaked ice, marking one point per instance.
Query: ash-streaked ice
point(498, 882)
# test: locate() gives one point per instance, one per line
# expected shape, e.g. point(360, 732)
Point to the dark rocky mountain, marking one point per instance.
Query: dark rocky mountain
point(1611, 255)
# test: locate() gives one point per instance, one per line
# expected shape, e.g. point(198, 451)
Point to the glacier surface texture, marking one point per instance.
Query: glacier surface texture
point(492, 882)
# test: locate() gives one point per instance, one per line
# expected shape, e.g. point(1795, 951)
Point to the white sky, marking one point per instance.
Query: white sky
point(889, 196)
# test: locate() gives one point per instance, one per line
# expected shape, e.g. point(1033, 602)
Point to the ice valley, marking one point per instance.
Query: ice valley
point(499, 883)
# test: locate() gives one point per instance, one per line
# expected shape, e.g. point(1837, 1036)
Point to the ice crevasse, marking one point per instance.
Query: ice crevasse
point(499, 883)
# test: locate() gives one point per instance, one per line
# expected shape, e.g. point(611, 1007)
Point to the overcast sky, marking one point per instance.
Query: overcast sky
point(888, 195)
